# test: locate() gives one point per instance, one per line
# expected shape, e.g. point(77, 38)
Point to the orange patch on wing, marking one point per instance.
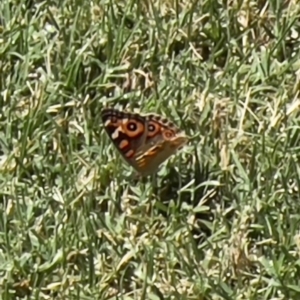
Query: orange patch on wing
point(123, 144)
point(156, 129)
point(153, 151)
point(129, 153)
point(138, 128)
point(168, 134)
point(141, 162)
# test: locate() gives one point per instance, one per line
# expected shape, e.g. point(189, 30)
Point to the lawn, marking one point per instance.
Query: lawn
point(220, 219)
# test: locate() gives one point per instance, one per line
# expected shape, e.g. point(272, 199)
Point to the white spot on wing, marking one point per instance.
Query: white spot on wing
point(115, 135)
point(107, 122)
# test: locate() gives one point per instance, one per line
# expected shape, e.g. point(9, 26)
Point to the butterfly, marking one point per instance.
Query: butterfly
point(144, 141)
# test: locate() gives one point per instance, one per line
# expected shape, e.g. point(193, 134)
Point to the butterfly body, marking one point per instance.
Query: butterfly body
point(144, 141)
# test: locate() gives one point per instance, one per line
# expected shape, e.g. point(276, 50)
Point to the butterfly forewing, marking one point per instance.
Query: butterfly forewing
point(127, 131)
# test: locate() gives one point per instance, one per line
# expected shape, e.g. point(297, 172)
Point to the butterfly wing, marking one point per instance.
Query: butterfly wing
point(163, 140)
point(127, 131)
point(143, 141)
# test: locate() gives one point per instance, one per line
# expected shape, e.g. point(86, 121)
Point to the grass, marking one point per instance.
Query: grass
point(221, 218)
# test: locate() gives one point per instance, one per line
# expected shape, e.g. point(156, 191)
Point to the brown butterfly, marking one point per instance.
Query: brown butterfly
point(145, 141)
